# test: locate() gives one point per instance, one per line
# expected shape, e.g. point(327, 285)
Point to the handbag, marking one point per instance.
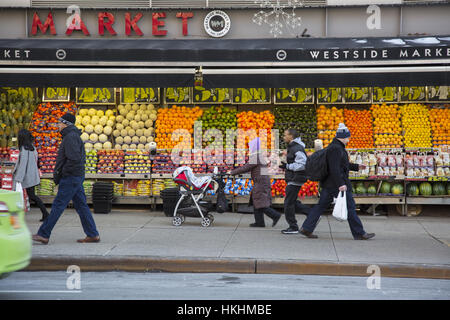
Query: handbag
point(18, 188)
point(340, 208)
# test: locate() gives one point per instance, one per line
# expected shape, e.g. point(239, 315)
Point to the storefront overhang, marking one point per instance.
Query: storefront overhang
point(227, 62)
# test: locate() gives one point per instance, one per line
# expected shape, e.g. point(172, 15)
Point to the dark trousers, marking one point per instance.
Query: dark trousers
point(292, 205)
point(33, 197)
point(270, 212)
point(70, 188)
point(326, 198)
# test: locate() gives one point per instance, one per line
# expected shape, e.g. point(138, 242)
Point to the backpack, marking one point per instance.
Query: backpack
point(316, 165)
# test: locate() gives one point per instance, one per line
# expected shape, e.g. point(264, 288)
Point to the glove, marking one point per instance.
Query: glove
point(282, 166)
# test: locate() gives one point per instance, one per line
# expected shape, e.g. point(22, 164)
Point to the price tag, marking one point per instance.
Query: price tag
point(412, 94)
point(437, 179)
point(211, 96)
point(56, 94)
point(329, 95)
point(294, 95)
point(385, 94)
point(177, 95)
point(439, 93)
point(252, 95)
point(139, 95)
point(357, 95)
point(26, 92)
point(95, 95)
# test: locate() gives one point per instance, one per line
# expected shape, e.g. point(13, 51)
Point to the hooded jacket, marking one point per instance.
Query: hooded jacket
point(71, 154)
point(295, 162)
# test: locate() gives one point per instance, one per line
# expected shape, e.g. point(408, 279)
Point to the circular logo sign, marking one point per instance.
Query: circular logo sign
point(61, 54)
point(217, 23)
point(281, 55)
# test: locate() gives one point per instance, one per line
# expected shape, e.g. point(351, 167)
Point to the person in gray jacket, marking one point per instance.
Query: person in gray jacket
point(26, 171)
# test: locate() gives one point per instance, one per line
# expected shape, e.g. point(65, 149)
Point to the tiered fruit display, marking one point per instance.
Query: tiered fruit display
point(97, 127)
point(137, 162)
point(118, 188)
point(387, 126)
point(302, 118)
point(171, 119)
point(328, 120)
point(4, 154)
point(130, 188)
point(88, 185)
point(248, 120)
point(47, 159)
point(220, 118)
point(144, 188)
point(241, 187)
point(157, 186)
point(91, 162)
point(44, 120)
point(309, 189)
point(416, 125)
point(15, 114)
point(223, 161)
point(278, 188)
point(46, 188)
point(110, 161)
point(440, 125)
point(359, 122)
point(162, 163)
point(134, 128)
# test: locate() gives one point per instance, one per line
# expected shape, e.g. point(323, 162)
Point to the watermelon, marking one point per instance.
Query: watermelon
point(426, 189)
point(372, 189)
point(385, 187)
point(439, 189)
point(361, 189)
point(448, 189)
point(397, 189)
point(413, 189)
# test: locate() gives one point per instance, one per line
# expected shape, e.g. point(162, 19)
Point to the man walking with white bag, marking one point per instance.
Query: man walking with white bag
point(336, 181)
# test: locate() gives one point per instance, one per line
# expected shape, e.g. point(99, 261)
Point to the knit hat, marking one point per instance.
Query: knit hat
point(342, 132)
point(68, 119)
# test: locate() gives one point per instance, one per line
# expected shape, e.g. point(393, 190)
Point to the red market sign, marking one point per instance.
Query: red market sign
point(105, 21)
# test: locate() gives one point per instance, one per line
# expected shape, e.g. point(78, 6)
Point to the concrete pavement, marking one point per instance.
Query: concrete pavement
point(403, 246)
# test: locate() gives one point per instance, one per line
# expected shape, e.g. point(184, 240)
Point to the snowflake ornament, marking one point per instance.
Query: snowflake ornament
point(278, 15)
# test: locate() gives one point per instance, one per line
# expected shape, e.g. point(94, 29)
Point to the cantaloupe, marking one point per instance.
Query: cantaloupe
point(142, 139)
point(89, 128)
point(116, 133)
point(107, 145)
point(127, 140)
point(98, 146)
point(124, 132)
point(119, 140)
point(93, 137)
point(84, 137)
point(135, 140)
point(103, 138)
point(95, 120)
point(98, 129)
point(110, 123)
point(107, 130)
point(92, 112)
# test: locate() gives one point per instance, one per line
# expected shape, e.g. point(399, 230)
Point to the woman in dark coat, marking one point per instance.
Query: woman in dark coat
point(261, 196)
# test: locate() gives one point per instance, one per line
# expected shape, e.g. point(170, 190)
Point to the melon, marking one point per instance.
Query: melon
point(372, 189)
point(412, 189)
point(98, 146)
point(385, 187)
point(127, 140)
point(107, 130)
point(116, 133)
point(100, 113)
point(130, 116)
point(123, 112)
point(144, 117)
point(142, 107)
point(103, 138)
point(119, 140)
point(78, 119)
point(140, 146)
point(125, 147)
point(132, 146)
point(134, 125)
point(86, 120)
point(124, 132)
point(141, 124)
point(126, 122)
point(89, 128)
point(148, 123)
point(153, 116)
point(93, 137)
point(439, 189)
point(88, 146)
point(119, 126)
point(107, 145)
point(142, 139)
point(119, 119)
point(118, 147)
point(131, 132)
point(135, 140)
point(98, 129)
point(109, 113)
point(137, 118)
point(397, 189)
point(360, 188)
point(135, 107)
point(92, 112)
point(150, 106)
point(103, 121)
point(149, 139)
point(426, 189)
point(139, 132)
point(84, 137)
point(95, 120)
point(128, 107)
point(83, 112)
point(147, 132)
point(110, 123)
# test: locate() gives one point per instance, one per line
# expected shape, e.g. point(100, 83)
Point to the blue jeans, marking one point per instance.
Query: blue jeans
point(326, 198)
point(70, 188)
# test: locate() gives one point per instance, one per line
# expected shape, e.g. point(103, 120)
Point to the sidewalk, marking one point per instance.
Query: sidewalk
point(143, 240)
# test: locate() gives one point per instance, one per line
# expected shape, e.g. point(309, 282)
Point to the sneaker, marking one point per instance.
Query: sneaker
point(290, 230)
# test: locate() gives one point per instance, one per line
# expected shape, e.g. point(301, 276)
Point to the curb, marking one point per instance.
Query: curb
point(199, 265)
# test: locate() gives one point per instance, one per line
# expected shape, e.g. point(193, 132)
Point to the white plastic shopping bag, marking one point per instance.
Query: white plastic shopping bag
point(340, 208)
point(20, 189)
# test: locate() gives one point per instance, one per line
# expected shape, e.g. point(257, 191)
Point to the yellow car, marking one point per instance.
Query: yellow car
point(15, 238)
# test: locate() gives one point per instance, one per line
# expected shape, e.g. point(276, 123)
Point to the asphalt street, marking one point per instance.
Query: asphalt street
point(213, 286)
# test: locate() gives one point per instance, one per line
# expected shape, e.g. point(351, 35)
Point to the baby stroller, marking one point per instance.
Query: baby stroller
point(192, 190)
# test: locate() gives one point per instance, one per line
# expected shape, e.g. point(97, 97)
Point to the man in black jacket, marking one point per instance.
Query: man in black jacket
point(336, 181)
point(295, 177)
point(69, 174)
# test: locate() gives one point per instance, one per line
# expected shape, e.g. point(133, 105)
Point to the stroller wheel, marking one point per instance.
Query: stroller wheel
point(177, 221)
point(211, 217)
point(206, 221)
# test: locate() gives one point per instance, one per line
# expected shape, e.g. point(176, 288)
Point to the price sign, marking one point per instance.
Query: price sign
point(294, 95)
point(437, 179)
point(252, 95)
point(56, 94)
point(139, 95)
point(329, 95)
point(357, 95)
point(385, 94)
point(95, 95)
point(178, 95)
point(26, 92)
point(211, 96)
point(412, 94)
point(439, 93)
